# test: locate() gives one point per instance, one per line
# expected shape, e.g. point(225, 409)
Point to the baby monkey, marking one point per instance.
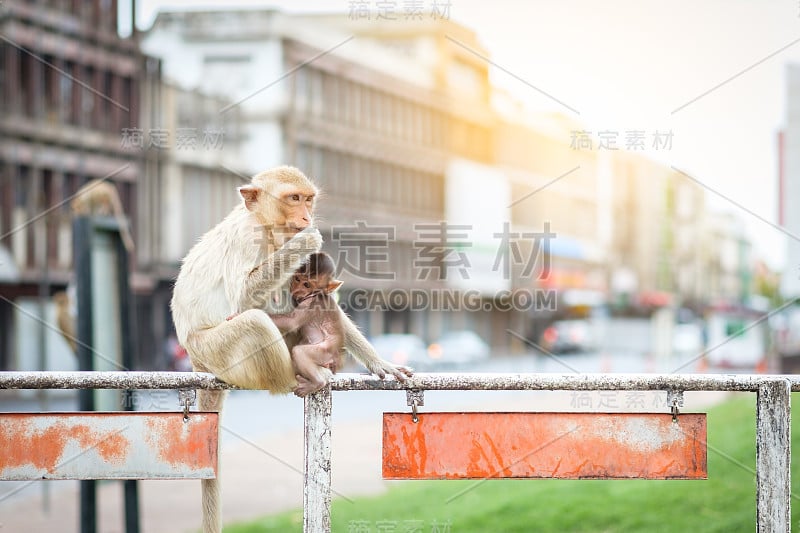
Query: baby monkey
point(317, 323)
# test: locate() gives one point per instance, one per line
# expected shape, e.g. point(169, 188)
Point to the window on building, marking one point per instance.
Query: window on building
point(65, 92)
point(127, 94)
point(465, 78)
point(355, 178)
point(328, 96)
point(318, 165)
point(354, 94)
point(108, 16)
point(367, 119)
point(426, 124)
point(303, 157)
point(386, 115)
point(105, 103)
point(315, 78)
point(331, 168)
point(345, 101)
point(301, 90)
point(343, 174)
point(437, 129)
point(87, 99)
point(5, 79)
point(197, 193)
point(74, 109)
point(227, 74)
point(26, 92)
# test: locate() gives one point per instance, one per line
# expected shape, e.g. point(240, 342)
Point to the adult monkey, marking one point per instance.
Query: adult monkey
point(242, 267)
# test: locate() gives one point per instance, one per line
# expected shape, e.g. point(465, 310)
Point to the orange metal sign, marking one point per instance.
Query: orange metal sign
point(544, 445)
point(121, 445)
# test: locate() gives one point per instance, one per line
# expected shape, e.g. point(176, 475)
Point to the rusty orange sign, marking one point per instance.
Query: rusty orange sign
point(124, 445)
point(544, 445)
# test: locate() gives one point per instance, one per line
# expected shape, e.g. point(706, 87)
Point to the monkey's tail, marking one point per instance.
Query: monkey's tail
point(212, 517)
point(124, 229)
point(211, 400)
point(127, 240)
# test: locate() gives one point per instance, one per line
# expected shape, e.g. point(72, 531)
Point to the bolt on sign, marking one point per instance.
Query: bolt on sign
point(544, 445)
point(35, 446)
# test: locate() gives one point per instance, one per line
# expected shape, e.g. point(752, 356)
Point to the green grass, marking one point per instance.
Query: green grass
point(724, 502)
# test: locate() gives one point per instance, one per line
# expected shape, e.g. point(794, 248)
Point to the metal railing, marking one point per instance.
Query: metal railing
point(773, 416)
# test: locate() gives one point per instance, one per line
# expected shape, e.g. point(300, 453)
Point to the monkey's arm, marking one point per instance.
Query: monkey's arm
point(264, 281)
point(361, 349)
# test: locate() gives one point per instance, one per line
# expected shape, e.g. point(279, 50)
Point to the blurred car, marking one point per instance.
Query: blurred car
point(687, 339)
point(565, 336)
point(402, 349)
point(458, 348)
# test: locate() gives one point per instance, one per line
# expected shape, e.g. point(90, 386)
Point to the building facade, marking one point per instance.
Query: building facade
point(789, 184)
point(377, 130)
point(69, 86)
point(80, 103)
point(661, 229)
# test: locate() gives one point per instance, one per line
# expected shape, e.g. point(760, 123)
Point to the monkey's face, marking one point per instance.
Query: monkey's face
point(296, 212)
point(304, 286)
point(282, 201)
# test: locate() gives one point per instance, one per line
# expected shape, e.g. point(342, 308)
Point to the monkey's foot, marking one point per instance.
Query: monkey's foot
point(305, 387)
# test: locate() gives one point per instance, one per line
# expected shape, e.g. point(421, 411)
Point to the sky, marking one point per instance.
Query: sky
point(711, 71)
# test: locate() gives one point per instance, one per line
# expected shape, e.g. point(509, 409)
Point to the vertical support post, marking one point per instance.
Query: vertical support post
point(773, 456)
point(81, 253)
point(127, 338)
point(131, 492)
point(317, 462)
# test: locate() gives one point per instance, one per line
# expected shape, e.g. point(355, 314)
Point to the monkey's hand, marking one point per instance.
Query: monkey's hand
point(362, 350)
point(306, 242)
point(381, 368)
point(264, 282)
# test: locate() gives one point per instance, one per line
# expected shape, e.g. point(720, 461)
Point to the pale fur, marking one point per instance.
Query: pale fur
point(100, 197)
point(234, 269)
point(239, 269)
point(65, 319)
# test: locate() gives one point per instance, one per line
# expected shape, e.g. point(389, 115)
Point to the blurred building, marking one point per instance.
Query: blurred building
point(728, 274)
point(189, 185)
point(392, 141)
point(789, 183)
point(659, 251)
point(79, 103)
point(690, 255)
point(69, 86)
point(558, 214)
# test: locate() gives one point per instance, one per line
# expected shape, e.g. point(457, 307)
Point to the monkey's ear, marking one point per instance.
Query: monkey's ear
point(250, 195)
point(333, 285)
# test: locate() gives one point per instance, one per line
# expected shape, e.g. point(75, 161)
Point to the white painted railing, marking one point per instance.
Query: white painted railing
point(773, 416)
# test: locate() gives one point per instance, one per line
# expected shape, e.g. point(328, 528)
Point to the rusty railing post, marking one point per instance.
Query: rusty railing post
point(773, 456)
point(317, 462)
